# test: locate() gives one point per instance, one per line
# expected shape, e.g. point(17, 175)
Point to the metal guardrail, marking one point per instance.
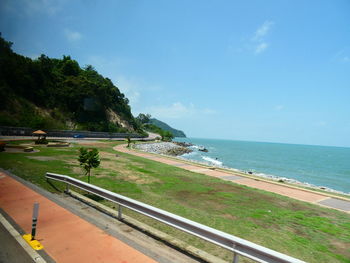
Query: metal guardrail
point(235, 244)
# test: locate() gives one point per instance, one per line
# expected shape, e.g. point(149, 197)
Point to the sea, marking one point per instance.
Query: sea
point(324, 167)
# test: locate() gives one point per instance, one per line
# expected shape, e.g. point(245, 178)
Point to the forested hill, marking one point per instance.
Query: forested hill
point(52, 93)
point(166, 127)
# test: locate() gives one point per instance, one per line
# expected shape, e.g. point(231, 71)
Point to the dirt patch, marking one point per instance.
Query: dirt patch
point(100, 175)
point(42, 158)
point(117, 159)
point(17, 150)
point(120, 165)
point(108, 155)
point(198, 200)
point(141, 179)
point(111, 165)
point(71, 161)
point(77, 170)
point(94, 143)
point(340, 248)
point(28, 144)
point(229, 216)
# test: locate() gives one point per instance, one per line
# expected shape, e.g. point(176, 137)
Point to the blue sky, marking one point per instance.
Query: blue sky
point(276, 71)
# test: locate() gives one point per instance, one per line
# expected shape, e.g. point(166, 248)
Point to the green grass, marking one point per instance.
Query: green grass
point(299, 229)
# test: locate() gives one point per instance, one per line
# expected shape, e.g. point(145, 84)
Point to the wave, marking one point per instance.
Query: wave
point(211, 160)
point(191, 154)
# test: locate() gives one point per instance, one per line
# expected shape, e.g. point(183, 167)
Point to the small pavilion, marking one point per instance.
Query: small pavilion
point(41, 134)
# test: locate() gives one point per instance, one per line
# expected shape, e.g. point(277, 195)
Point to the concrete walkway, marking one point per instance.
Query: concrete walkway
point(322, 199)
point(65, 236)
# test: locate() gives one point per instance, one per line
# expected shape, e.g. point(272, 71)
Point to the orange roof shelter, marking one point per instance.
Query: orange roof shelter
point(40, 134)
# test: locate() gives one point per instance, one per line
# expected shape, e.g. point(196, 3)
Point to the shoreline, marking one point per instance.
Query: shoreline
point(271, 177)
point(274, 178)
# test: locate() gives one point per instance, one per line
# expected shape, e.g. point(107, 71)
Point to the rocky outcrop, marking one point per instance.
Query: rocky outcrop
point(177, 151)
point(184, 144)
point(116, 119)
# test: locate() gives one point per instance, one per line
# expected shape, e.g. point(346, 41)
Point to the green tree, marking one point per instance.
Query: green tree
point(89, 159)
point(143, 118)
point(128, 139)
point(166, 135)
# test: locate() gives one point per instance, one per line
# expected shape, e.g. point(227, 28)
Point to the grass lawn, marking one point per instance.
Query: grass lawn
point(299, 229)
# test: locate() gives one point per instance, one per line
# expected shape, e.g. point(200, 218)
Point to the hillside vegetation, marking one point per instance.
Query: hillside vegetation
point(52, 93)
point(153, 125)
point(166, 127)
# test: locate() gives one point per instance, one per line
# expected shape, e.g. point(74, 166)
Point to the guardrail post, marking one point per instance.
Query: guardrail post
point(120, 212)
point(67, 188)
point(235, 257)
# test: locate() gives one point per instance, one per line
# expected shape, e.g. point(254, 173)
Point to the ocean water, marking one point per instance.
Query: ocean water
point(322, 166)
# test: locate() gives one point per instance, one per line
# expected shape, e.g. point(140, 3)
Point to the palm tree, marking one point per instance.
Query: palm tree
point(88, 160)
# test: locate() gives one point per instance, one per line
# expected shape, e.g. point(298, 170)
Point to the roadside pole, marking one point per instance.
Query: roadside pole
point(30, 238)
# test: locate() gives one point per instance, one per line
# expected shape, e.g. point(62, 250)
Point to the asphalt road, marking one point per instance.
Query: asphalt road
point(11, 251)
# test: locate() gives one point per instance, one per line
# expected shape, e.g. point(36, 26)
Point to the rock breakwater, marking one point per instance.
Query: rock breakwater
point(167, 148)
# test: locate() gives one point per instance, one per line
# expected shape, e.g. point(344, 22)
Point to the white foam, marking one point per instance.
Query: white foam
point(191, 154)
point(211, 160)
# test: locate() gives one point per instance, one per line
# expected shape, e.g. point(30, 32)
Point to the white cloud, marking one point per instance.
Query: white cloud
point(208, 111)
point(72, 36)
point(108, 66)
point(260, 44)
point(279, 107)
point(137, 91)
point(129, 88)
point(177, 110)
point(262, 31)
point(261, 47)
point(320, 123)
point(342, 55)
point(49, 7)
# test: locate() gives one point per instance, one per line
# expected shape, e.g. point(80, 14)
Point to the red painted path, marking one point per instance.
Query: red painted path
point(65, 236)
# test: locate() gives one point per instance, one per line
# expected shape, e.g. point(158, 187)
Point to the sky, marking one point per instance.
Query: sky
point(273, 71)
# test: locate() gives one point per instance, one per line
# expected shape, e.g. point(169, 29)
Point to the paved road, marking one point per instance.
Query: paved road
point(11, 251)
point(321, 199)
